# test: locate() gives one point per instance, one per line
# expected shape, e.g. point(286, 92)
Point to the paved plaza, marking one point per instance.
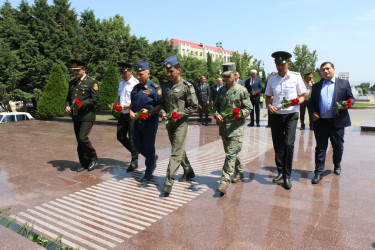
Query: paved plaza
point(108, 208)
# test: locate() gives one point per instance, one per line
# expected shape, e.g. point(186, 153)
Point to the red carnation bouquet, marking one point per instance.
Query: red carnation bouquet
point(141, 116)
point(200, 107)
point(340, 105)
point(254, 92)
point(76, 103)
point(230, 114)
point(116, 108)
point(286, 103)
point(172, 117)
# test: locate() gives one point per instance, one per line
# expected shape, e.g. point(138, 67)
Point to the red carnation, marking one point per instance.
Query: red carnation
point(175, 116)
point(78, 102)
point(117, 108)
point(236, 112)
point(349, 103)
point(256, 92)
point(295, 101)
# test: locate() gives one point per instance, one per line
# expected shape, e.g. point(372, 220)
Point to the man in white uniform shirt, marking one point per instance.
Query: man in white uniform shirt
point(290, 85)
point(125, 125)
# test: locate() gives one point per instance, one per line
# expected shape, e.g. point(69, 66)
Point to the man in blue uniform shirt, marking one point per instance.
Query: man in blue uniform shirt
point(146, 97)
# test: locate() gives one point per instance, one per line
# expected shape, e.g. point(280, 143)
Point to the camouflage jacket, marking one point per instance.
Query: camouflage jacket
point(229, 98)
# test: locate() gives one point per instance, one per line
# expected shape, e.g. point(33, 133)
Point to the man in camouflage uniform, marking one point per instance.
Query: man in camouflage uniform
point(232, 95)
point(86, 90)
point(178, 95)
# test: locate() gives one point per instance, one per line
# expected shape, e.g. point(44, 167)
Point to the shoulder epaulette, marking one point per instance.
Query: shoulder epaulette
point(188, 83)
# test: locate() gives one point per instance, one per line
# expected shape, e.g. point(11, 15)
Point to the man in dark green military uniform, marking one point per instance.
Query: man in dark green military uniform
point(231, 129)
point(86, 90)
point(178, 96)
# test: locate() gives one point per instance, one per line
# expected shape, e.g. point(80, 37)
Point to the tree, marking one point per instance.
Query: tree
point(192, 68)
point(372, 87)
point(159, 50)
point(109, 87)
point(211, 70)
point(52, 102)
point(304, 60)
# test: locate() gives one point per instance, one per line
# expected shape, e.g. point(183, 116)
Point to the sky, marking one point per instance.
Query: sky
point(341, 31)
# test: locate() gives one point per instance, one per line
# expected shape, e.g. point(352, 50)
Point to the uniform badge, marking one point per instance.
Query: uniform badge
point(159, 91)
point(167, 90)
point(280, 58)
point(96, 86)
point(192, 90)
point(139, 69)
point(146, 86)
point(177, 90)
point(156, 86)
point(168, 66)
point(134, 91)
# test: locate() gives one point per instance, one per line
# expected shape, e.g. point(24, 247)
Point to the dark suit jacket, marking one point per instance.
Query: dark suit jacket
point(214, 91)
point(342, 93)
point(241, 82)
point(203, 94)
point(257, 86)
point(87, 91)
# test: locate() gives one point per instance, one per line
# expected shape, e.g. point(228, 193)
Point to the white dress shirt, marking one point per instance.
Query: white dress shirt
point(124, 91)
point(290, 87)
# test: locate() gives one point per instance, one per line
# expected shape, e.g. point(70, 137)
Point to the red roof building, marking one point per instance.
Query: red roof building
point(200, 50)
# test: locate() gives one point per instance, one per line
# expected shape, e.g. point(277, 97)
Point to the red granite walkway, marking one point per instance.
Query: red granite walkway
point(109, 209)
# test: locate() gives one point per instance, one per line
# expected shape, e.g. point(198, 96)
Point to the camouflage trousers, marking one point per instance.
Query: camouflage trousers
point(232, 146)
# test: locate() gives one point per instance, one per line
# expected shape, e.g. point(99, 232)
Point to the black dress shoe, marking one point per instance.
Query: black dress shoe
point(206, 124)
point(287, 183)
point(80, 169)
point(146, 178)
point(250, 125)
point(92, 165)
point(337, 170)
point(317, 178)
point(278, 178)
point(258, 125)
point(133, 166)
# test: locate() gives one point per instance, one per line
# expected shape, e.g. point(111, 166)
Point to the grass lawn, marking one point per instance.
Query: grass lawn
point(363, 104)
point(105, 117)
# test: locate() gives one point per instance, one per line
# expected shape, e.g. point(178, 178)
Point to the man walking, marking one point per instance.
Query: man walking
point(125, 125)
point(254, 87)
point(82, 96)
point(178, 96)
point(286, 85)
point(328, 124)
point(203, 94)
point(235, 98)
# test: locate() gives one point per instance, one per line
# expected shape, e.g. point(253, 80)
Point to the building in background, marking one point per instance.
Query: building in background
point(200, 50)
point(343, 75)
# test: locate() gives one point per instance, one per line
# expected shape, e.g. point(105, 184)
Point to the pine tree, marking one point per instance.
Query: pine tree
point(52, 102)
point(109, 87)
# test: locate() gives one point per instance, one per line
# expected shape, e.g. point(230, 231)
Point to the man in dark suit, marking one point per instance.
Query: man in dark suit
point(86, 89)
point(254, 87)
point(327, 123)
point(203, 95)
point(215, 89)
point(237, 78)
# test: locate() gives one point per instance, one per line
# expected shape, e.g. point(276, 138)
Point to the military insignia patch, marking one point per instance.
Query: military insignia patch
point(156, 86)
point(159, 92)
point(177, 90)
point(168, 66)
point(192, 90)
point(146, 86)
point(167, 90)
point(280, 58)
point(95, 86)
point(134, 91)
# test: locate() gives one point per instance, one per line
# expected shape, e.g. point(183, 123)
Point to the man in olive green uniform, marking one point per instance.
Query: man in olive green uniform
point(231, 96)
point(86, 90)
point(178, 95)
